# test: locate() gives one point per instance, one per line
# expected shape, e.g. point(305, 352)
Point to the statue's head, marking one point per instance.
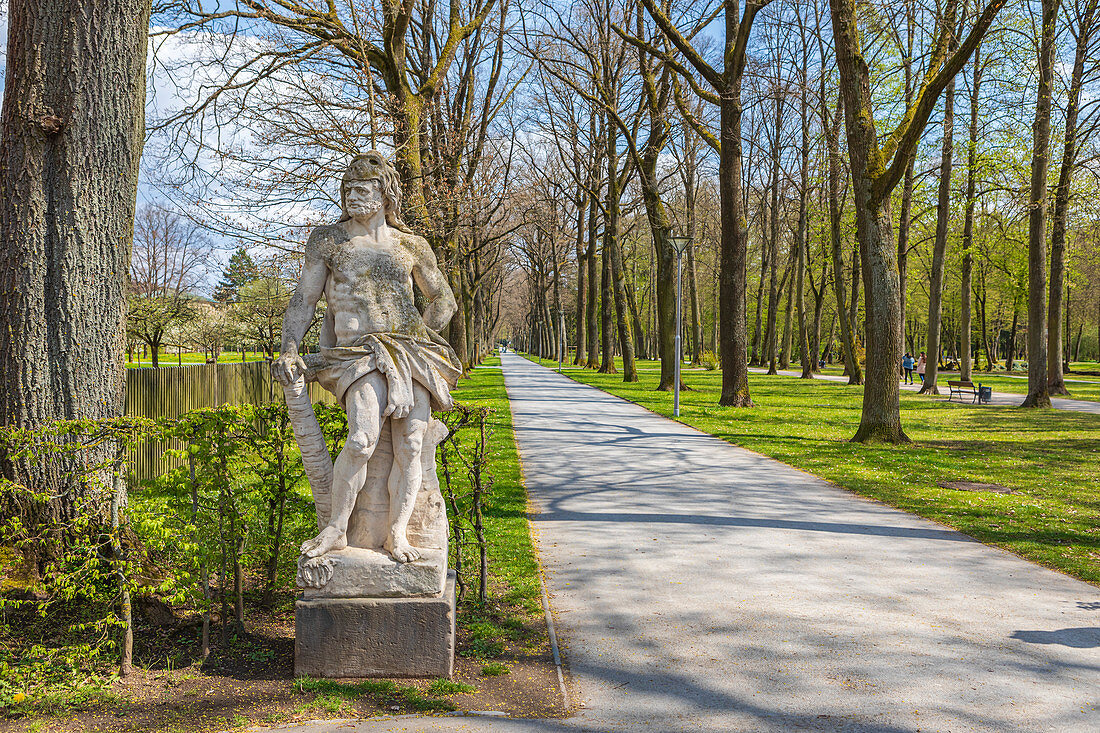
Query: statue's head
point(373, 166)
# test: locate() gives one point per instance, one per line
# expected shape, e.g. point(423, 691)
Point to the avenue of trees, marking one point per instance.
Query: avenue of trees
point(859, 180)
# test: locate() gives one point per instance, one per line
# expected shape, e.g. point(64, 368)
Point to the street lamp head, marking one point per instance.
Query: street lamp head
point(679, 243)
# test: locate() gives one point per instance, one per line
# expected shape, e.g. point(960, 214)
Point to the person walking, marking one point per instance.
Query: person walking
point(907, 363)
point(921, 362)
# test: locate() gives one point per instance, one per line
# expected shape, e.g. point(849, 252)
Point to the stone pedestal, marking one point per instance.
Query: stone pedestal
point(356, 572)
point(376, 637)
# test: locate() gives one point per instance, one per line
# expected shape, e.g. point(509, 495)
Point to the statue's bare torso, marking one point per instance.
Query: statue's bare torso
point(368, 285)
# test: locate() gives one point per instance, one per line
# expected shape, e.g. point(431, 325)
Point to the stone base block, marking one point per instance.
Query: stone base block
point(356, 572)
point(376, 637)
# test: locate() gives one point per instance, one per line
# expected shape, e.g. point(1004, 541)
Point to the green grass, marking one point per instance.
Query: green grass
point(331, 696)
point(443, 687)
point(1050, 457)
point(63, 702)
point(512, 564)
point(173, 359)
point(347, 690)
point(495, 669)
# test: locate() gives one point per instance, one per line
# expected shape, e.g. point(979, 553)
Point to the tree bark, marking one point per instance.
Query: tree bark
point(847, 338)
point(756, 358)
point(904, 225)
point(611, 244)
point(881, 415)
point(939, 249)
point(805, 355)
point(582, 274)
point(1038, 394)
point(1055, 376)
point(788, 312)
point(875, 171)
point(594, 291)
point(734, 254)
point(71, 134)
point(965, 295)
point(770, 329)
point(690, 192)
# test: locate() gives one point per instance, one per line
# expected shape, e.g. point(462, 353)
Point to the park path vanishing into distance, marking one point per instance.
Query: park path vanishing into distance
point(697, 586)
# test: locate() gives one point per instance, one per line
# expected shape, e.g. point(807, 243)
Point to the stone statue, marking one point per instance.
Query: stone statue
point(381, 518)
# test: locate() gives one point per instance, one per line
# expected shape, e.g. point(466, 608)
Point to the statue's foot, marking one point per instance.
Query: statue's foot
point(401, 550)
point(330, 539)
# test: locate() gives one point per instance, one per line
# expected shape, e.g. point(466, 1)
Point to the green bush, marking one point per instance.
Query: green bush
point(235, 505)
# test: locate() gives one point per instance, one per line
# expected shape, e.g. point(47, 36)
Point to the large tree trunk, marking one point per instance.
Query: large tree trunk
point(788, 313)
point(72, 128)
point(847, 337)
point(692, 280)
point(607, 306)
point(659, 226)
point(939, 249)
point(965, 321)
point(770, 331)
point(1038, 394)
point(592, 307)
point(805, 355)
point(456, 329)
point(756, 357)
point(612, 245)
point(734, 254)
point(881, 417)
point(582, 275)
point(904, 225)
point(1055, 376)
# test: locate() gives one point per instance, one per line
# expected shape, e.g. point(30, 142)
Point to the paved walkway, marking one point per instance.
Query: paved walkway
point(1001, 399)
point(700, 587)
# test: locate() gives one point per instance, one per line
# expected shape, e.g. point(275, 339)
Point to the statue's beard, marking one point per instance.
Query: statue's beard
point(365, 208)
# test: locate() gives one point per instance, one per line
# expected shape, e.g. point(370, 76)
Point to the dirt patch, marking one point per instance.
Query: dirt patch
point(251, 682)
point(975, 486)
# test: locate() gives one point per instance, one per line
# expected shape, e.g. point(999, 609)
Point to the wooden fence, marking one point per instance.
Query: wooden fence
point(171, 391)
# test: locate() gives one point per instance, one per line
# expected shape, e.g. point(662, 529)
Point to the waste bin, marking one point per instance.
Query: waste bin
point(985, 394)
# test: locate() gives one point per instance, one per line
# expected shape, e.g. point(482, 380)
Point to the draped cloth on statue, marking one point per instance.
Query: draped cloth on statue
point(401, 359)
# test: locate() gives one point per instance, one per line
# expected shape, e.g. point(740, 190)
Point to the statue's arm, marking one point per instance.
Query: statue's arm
point(299, 315)
point(433, 284)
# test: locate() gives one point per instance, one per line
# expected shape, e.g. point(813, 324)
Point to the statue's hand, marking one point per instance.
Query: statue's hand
point(288, 368)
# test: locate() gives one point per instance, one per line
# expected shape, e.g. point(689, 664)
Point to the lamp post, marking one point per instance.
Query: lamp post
point(560, 325)
point(679, 244)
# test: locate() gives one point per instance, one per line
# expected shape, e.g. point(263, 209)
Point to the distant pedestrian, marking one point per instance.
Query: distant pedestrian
point(907, 363)
point(920, 366)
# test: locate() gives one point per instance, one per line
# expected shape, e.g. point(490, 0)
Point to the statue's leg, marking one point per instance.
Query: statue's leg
point(406, 475)
point(363, 400)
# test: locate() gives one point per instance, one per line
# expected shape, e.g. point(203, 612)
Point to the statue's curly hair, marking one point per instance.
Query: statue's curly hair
point(372, 165)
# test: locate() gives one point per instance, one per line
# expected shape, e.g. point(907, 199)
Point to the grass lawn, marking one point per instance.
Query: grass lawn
point(1050, 458)
point(512, 563)
point(173, 359)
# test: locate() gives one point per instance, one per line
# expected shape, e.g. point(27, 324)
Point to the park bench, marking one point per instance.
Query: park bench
point(960, 388)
